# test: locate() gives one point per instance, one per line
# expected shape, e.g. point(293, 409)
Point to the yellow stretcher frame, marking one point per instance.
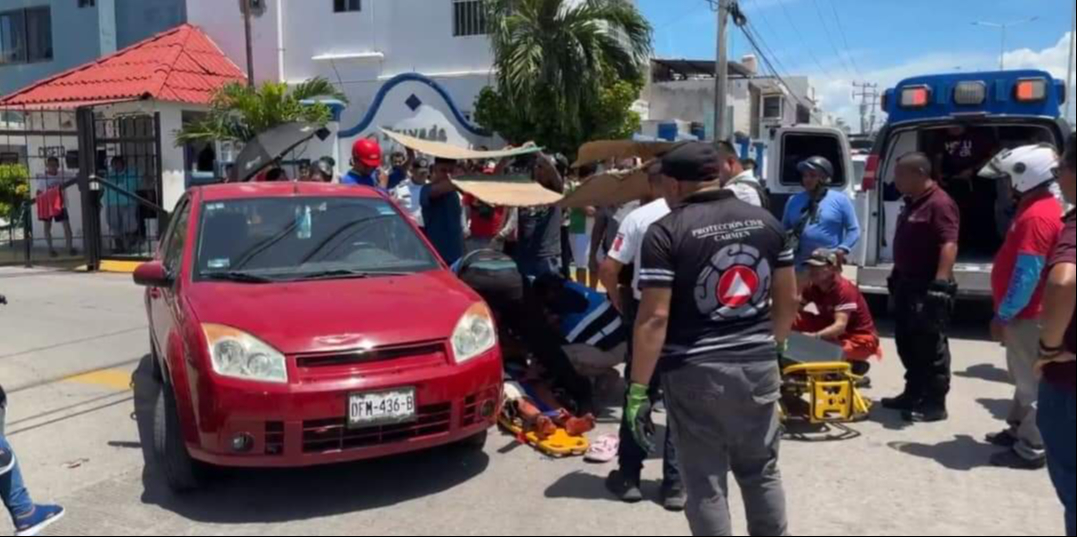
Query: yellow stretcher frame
point(560, 445)
point(832, 390)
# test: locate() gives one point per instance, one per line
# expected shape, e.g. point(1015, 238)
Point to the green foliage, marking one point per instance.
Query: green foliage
point(241, 112)
point(567, 73)
point(14, 188)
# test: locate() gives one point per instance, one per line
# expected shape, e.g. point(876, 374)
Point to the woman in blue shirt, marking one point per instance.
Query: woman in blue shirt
point(820, 217)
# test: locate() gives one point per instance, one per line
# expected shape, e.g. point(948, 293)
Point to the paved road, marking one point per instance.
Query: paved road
point(70, 345)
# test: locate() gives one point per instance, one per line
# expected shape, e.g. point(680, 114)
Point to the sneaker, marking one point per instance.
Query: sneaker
point(624, 488)
point(903, 402)
point(926, 415)
point(40, 518)
point(1005, 439)
point(1010, 459)
point(7, 461)
point(674, 499)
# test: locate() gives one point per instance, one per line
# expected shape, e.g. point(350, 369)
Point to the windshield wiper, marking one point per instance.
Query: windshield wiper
point(345, 274)
point(238, 277)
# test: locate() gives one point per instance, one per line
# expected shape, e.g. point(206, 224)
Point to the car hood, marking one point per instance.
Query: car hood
point(338, 315)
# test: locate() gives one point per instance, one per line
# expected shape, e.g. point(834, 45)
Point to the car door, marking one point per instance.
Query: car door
point(163, 301)
point(793, 145)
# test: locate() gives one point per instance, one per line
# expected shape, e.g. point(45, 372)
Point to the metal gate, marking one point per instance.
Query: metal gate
point(126, 184)
point(78, 187)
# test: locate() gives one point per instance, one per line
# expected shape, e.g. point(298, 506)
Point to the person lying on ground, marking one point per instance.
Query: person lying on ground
point(841, 315)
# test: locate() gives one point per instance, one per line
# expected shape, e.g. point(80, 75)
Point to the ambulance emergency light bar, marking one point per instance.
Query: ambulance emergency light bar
point(974, 93)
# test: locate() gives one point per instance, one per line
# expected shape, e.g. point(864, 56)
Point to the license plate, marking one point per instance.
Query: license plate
point(381, 408)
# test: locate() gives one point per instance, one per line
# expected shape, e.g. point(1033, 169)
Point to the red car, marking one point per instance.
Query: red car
point(298, 324)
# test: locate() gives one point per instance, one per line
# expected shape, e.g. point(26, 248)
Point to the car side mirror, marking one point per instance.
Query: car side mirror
point(153, 274)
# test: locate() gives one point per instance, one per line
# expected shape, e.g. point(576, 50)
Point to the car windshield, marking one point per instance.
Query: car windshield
point(292, 239)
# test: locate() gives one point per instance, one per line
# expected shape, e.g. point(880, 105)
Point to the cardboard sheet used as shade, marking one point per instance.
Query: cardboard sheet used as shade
point(609, 189)
point(595, 152)
point(507, 191)
point(451, 152)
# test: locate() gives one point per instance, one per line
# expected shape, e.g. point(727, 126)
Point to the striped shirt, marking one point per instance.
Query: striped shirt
point(599, 325)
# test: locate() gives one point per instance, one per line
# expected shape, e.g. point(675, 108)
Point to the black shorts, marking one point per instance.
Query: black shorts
point(62, 217)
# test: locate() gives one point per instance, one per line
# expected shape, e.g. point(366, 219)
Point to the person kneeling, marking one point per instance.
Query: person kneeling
point(840, 314)
point(595, 338)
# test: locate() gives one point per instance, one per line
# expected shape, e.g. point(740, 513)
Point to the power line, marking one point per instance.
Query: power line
point(766, 46)
point(830, 39)
point(745, 25)
point(800, 36)
point(845, 39)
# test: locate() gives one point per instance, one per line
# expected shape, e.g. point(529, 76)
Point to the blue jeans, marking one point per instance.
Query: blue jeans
point(12, 491)
point(1057, 419)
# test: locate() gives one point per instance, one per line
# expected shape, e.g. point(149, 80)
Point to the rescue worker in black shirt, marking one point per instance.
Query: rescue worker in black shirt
point(922, 284)
point(719, 297)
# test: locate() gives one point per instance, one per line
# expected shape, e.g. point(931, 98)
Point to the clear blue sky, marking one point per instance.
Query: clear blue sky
point(877, 40)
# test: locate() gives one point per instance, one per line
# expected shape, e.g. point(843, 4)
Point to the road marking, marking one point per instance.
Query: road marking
point(117, 379)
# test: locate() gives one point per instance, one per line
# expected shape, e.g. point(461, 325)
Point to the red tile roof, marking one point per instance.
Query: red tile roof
point(181, 65)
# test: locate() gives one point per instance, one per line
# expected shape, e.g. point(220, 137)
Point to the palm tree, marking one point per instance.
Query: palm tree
point(241, 112)
point(559, 53)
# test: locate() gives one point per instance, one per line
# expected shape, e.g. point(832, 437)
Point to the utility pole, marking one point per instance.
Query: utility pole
point(868, 94)
point(1005, 28)
point(245, 6)
point(721, 75)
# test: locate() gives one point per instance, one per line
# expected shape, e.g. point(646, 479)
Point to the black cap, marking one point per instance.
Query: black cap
point(696, 162)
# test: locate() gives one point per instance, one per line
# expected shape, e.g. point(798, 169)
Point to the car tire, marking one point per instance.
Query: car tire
point(155, 366)
point(476, 443)
point(182, 473)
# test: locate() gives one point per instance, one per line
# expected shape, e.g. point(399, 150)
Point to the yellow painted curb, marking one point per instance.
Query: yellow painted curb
point(109, 378)
point(120, 267)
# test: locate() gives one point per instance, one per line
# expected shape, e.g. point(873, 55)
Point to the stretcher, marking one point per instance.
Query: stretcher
point(545, 429)
point(818, 387)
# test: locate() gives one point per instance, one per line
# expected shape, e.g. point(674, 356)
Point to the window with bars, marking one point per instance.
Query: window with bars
point(773, 107)
point(347, 6)
point(469, 18)
point(26, 36)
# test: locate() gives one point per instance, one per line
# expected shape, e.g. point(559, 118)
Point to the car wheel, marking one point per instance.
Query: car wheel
point(182, 473)
point(155, 358)
point(476, 443)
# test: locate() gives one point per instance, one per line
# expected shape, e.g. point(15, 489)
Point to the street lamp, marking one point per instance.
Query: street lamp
point(1005, 28)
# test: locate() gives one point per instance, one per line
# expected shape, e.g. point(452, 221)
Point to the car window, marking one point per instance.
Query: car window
point(798, 147)
point(297, 238)
point(177, 240)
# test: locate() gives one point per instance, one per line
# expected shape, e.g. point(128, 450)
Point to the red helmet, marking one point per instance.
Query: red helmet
point(367, 152)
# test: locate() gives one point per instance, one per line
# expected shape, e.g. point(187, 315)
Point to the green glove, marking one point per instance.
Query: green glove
point(638, 415)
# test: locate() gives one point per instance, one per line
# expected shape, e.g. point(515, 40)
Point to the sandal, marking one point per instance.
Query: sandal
point(604, 451)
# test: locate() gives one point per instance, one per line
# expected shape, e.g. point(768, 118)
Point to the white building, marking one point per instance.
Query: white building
point(409, 65)
point(680, 93)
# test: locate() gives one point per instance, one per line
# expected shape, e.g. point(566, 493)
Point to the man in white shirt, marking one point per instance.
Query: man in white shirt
point(407, 195)
point(741, 181)
point(625, 482)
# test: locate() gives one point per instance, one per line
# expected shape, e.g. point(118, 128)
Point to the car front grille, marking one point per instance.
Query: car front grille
point(333, 435)
point(385, 354)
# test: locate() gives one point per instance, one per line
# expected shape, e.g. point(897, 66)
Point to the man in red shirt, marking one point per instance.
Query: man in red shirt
point(1017, 283)
point(484, 223)
point(1058, 347)
point(841, 314)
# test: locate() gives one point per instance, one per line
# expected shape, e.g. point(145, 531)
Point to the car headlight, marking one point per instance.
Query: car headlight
point(475, 334)
point(237, 354)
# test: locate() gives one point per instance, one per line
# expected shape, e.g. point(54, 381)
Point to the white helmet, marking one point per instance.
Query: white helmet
point(1027, 168)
